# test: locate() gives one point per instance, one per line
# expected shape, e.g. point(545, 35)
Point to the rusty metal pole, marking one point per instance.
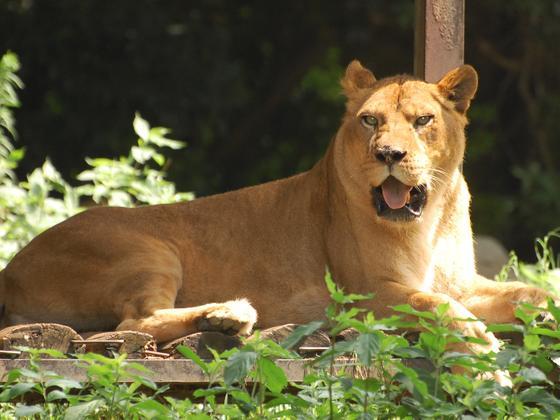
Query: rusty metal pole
point(439, 37)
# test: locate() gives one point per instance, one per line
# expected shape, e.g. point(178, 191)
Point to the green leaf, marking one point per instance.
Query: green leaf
point(506, 357)
point(367, 346)
point(189, 354)
point(533, 375)
point(539, 395)
point(271, 349)
point(149, 408)
point(52, 353)
point(56, 395)
point(545, 332)
point(21, 389)
point(148, 383)
point(273, 376)
point(64, 383)
point(242, 396)
point(28, 410)
point(554, 310)
point(355, 297)
point(532, 342)
point(82, 411)
point(335, 293)
point(442, 309)
point(409, 310)
point(30, 373)
point(206, 392)
point(299, 333)
point(543, 363)
point(157, 137)
point(451, 359)
point(238, 366)
point(337, 349)
point(10, 62)
point(412, 382)
point(141, 127)
point(159, 159)
point(16, 155)
point(525, 316)
point(141, 154)
point(432, 343)
point(505, 328)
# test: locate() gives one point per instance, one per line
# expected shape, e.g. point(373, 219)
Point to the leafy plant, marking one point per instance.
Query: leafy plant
point(29, 207)
point(545, 272)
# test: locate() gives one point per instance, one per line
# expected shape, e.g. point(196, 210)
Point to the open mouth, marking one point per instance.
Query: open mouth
point(396, 201)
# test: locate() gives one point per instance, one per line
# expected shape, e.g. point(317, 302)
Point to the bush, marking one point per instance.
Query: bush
point(29, 207)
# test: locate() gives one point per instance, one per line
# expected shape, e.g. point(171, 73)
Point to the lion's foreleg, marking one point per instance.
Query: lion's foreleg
point(232, 317)
point(392, 294)
point(495, 302)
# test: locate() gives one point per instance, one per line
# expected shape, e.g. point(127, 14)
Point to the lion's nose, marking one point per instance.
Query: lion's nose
point(389, 155)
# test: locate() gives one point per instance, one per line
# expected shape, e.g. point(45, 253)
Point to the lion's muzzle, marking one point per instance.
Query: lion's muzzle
point(396, 201)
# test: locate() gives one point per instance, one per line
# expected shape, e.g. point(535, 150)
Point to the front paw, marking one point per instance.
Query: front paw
point(476, 329)
point(232, 317)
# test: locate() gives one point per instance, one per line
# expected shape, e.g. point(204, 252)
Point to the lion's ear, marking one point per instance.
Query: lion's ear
point(459, 86)
point(357, 77)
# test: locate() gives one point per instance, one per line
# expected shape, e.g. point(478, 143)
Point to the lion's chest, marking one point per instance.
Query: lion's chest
point(444, 267)
point(415, 268)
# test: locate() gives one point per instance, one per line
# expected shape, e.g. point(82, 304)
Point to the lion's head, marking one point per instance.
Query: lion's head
point(402, 138)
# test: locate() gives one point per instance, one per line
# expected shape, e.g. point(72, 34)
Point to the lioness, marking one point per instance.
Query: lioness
point(386, 210)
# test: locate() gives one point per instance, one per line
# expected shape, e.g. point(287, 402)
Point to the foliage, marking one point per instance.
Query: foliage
point(544, 273)
point(388, 376)
point(45, 198)
point(9, 81)
point(100, 396)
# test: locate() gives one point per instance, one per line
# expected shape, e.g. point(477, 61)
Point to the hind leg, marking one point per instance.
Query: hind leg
point(147, 305)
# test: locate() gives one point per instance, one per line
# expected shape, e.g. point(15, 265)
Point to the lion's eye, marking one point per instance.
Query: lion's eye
point(423, 120)
point(369, 121)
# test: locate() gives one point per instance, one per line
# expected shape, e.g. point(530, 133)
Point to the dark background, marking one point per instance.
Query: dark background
point(252, 86)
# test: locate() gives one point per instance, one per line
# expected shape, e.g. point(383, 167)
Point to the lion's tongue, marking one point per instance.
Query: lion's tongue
point(395, 193)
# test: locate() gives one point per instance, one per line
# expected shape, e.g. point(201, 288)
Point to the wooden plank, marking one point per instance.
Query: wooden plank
point(169, 371)
point(439, 37)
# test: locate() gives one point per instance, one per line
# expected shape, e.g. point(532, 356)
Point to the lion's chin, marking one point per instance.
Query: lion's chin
point(410, 211)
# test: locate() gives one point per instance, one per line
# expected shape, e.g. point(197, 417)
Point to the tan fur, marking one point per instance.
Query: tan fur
point(156, 268)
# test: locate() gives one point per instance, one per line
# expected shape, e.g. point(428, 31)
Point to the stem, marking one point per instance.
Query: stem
point(329, 382)
point(210, 382)
point(436, 384)
point(384, 375)
point(366, 391)
point(117, 375)
point(254, 390)
point(261, 389)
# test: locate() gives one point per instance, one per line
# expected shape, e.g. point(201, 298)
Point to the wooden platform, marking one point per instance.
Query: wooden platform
point(172, 371)
point(164, 362)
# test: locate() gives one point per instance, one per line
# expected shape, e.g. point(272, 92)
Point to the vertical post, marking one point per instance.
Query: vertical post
point(439, 37)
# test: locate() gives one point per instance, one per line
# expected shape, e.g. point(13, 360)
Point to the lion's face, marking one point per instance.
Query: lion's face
point(403, 138)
